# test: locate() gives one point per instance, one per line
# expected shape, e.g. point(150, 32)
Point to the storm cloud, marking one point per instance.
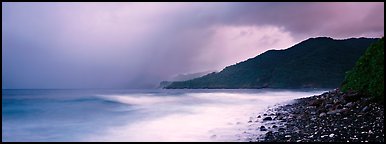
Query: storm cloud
point(137, 45)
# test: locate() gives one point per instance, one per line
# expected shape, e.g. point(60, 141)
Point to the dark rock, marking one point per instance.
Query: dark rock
point(331, 135)
point(259, 116)
point(350, 104)
point(365, 109)
point(335, 120)
point(351, 97)
point(344, 110)
point(267, 119)
point(262, 128)
point(281, 129)
point(334, 112)
point(316, 102)
point(327, 106)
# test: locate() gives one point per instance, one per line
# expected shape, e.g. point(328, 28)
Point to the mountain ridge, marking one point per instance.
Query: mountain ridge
point(319, 62)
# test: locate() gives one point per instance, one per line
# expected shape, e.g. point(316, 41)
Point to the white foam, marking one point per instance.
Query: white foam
point(212, 118)
point(138, 99)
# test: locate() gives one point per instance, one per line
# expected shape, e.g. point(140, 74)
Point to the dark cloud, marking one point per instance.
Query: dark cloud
point(136, 45)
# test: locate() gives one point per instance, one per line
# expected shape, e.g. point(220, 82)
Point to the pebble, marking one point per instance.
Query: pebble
point(365, 109)
point(313, 119)
point(287, 136)
point(331, 135)
point(348, 104)
point(327, 106)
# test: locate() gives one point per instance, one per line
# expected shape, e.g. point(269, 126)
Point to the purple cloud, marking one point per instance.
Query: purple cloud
point(136, 45)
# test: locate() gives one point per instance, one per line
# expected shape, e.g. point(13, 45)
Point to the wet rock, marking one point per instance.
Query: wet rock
point(281, 129)
point(267, 119)
point(287, 136)
point(350, 104)
point(336, 120)
point(327, 106)
point(262, 128)
point(316, 102)
point(331, 135)
point(334, 112)
point(269, 133)
point(344, 110)
point(366, 108)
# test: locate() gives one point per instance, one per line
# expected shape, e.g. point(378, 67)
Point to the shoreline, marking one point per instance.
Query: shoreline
point(333, 116)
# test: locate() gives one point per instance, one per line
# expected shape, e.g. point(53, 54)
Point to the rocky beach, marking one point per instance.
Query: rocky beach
point(333, 116)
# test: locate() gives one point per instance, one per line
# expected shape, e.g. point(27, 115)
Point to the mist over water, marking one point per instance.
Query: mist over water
point(135, 115)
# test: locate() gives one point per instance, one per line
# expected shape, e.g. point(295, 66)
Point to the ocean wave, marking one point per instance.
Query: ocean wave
point(139, 99)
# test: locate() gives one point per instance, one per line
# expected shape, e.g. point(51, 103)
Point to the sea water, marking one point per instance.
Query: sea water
point(135, 115)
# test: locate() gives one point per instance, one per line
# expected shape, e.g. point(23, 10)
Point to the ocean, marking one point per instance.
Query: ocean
point(136, 115)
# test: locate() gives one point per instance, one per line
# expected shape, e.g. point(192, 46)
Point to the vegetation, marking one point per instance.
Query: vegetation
point(314, 63)
point(367, 77)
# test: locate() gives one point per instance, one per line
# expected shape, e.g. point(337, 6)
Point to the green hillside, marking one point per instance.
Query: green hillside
point(367, 77)
point(314, 63)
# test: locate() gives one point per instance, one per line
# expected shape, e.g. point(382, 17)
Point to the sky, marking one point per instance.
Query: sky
point(137, 45)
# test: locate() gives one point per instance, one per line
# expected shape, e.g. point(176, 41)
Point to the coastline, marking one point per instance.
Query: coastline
point(333, 116)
